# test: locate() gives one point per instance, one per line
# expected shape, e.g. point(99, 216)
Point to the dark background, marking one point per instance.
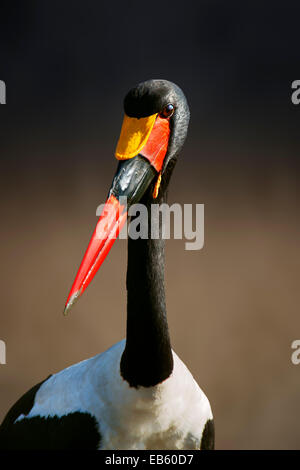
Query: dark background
point(233, 307)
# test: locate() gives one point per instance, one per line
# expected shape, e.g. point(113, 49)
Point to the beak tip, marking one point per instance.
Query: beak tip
point(74, 297)
point(66, 309)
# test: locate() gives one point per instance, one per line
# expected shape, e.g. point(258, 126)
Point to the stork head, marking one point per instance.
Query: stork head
point(156, 118)
point(155, 123)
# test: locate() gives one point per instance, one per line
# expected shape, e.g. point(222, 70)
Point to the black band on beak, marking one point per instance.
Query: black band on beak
point(132, 179)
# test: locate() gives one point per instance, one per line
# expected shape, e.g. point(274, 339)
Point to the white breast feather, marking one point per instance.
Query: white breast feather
point(171, 415)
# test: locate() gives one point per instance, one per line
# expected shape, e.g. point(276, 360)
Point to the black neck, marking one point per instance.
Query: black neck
point(147, 359)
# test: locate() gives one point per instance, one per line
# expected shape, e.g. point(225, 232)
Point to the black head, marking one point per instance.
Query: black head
point(166, 99)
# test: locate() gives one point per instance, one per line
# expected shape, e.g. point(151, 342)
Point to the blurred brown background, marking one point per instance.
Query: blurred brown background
point(233, 306)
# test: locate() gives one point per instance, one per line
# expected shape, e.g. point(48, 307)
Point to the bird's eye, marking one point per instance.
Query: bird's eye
point(167, 111)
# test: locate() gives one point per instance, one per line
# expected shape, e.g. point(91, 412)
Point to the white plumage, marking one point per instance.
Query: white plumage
point(171, 415)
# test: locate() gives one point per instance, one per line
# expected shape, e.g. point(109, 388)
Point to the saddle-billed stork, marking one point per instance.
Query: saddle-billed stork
point(138, 394)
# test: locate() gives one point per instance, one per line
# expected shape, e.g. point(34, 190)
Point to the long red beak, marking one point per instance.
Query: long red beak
point(131, 181)
point(107, 230)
